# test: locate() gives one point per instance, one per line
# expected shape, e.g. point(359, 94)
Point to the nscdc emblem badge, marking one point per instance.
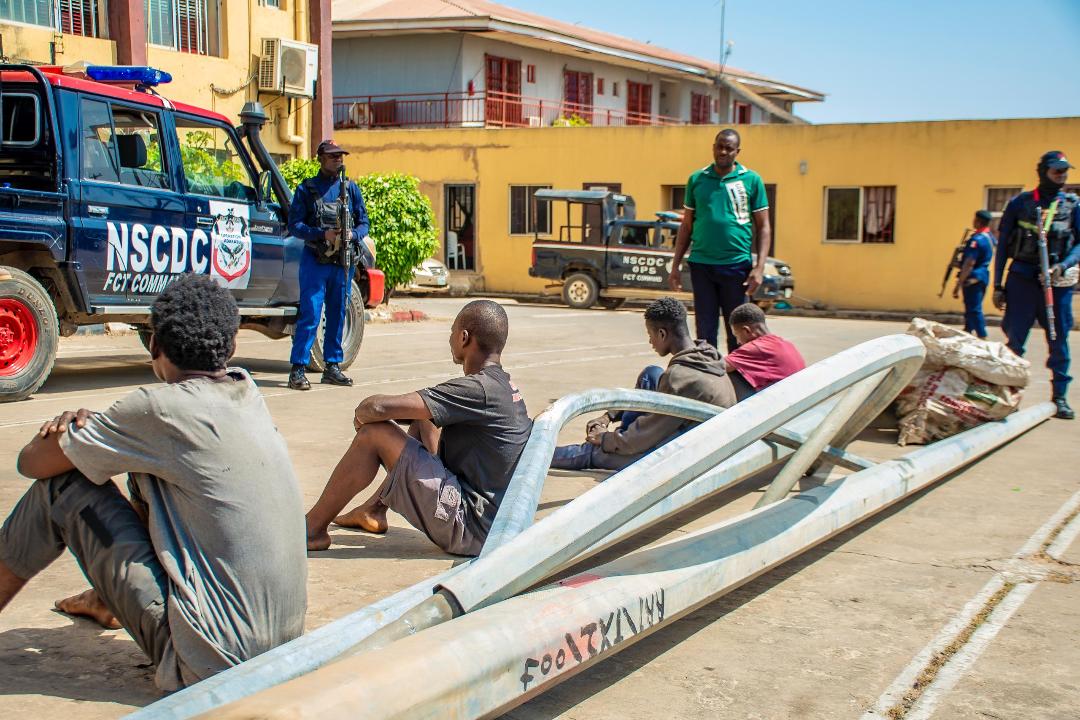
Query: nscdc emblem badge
point(230, 255)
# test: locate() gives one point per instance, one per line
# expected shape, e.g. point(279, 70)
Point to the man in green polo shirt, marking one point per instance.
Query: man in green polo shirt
point(727, 218)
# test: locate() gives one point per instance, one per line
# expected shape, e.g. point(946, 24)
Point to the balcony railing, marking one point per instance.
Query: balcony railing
point(490, 109)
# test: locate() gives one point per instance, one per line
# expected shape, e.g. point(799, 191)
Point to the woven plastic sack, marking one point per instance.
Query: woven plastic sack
point(941, 402)
point(989, 361)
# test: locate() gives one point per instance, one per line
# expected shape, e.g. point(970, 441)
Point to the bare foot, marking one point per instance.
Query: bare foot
point(363, 517)
point(88, 604)
point(318, 541)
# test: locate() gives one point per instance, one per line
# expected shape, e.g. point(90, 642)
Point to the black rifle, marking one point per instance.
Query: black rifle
point(344, 223)
point(956, 261)
point(1044, 268)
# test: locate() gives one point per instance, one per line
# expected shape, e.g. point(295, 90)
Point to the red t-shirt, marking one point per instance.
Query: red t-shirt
point(766, 360)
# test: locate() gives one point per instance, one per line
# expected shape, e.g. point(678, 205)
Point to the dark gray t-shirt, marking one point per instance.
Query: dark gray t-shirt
point(226, 516)
point(484, 429)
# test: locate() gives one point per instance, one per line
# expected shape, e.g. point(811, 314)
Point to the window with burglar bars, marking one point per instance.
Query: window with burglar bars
point(185, 25)
point(860, 214)
point(526, 215)
point(74, 17)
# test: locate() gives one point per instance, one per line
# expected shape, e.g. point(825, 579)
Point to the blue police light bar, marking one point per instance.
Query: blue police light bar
point(138, 74)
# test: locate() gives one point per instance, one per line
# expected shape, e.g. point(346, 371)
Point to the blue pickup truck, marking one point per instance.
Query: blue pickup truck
point(109, 192)
point(603, 254)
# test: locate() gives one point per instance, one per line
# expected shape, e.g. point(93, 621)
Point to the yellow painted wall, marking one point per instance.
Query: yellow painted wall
point(241, 43)
point(940, 169)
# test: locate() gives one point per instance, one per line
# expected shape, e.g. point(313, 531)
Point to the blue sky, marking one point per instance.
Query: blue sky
point(877, 60)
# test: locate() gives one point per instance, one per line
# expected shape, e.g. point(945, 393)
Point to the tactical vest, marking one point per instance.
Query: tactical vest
point(326, 218)
point(1024, 243)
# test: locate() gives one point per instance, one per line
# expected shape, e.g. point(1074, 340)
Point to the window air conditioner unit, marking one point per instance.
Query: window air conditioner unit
point(534, 121)
point(288, 67)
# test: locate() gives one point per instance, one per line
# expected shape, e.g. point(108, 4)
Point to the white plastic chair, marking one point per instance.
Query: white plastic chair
point(453, 251)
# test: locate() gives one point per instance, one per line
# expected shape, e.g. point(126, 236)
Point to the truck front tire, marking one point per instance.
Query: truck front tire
point(580, 291)
point(351, 335)
point(29, 335)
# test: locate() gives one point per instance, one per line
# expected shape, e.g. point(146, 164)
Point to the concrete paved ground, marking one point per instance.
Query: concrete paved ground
point(824, 636)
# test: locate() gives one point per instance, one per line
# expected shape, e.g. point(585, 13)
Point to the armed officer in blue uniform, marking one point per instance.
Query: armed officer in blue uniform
point(1021, 294)
point(975, 273)
point(323, 280)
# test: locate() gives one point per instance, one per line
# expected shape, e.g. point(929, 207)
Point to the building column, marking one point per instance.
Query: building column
point(127, 27)
point(320, 33)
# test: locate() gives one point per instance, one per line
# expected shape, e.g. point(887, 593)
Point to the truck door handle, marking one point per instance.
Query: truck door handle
point(204, 221)
point(99, 210)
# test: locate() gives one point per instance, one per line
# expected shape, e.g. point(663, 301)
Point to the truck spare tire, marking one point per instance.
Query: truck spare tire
point(29, 334)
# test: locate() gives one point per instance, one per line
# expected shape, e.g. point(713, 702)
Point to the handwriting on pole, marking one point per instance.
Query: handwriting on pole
point(581, 644)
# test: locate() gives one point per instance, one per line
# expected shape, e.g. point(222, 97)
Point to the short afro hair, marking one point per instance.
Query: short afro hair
point(195, 321)
point(487, 324)
point(747, 314)
point(731, 133)
point(668, 313)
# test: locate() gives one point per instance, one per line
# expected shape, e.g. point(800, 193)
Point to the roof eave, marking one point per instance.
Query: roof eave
point(345, 28)
point(703, 73)
point(786, 92)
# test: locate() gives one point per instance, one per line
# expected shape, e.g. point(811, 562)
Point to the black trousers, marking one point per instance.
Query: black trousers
point(718, 289)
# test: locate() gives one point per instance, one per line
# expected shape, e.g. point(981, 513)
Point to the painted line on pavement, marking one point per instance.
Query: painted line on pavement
point(960, 663)
point(949, 674)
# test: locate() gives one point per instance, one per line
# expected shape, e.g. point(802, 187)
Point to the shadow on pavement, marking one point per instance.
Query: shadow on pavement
point(78, 662)
point(579, 688)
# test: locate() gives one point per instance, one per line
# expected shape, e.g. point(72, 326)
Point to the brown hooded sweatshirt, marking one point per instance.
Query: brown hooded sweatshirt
point(696, 373)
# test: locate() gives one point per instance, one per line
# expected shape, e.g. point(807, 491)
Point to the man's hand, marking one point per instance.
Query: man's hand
point(675, 279)
point(999, 298)
point(597, 427)
point(956, 290)
point(331, 236)
point(754, 280)
point(596, 437)
point(59, 424)
point(1056, 272)
point(600, 423)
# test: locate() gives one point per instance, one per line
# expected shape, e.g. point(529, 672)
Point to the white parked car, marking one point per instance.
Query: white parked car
point(429, 276)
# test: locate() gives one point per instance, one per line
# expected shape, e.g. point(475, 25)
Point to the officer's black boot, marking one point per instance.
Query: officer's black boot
point(333, 375)
point(298, 378)
point(1064, 412)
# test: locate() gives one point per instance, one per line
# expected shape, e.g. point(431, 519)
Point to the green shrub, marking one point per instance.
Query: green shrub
point(298, 170)
point(402, 222)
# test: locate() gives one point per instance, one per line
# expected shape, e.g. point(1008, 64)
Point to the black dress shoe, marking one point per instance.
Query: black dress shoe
point(1064, 412)
point(298, 379)
point(333, 375)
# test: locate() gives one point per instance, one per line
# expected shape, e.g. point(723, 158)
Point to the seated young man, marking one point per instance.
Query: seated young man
point(449, 473)
point(205, 567)
point(695, 371)
point(761, 358)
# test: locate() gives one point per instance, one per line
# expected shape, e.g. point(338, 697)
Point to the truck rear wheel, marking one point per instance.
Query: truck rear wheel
point(351, 335)
point(29, 335)
point(580, 291)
